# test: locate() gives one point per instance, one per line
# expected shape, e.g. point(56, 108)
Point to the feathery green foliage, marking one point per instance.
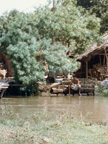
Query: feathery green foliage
point(32, 39)
point(100, 7)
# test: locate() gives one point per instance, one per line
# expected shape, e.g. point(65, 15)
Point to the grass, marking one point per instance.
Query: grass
point(46, 128)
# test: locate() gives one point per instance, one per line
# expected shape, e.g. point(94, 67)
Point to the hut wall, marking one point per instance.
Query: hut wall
point(8, 64)
point(97, 61)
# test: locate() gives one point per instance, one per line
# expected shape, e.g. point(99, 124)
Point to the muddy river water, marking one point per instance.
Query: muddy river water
point(92, 108)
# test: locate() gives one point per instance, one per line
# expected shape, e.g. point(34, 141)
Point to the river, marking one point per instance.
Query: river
point(92, 108)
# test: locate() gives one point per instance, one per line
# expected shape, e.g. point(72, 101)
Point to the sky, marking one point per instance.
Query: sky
point(20, 5)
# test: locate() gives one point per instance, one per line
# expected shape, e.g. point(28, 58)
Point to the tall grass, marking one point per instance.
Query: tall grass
point(47, 128)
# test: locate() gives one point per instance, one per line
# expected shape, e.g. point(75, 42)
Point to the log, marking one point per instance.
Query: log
point(61, 86)
point(53, 95)
point(90, 86)
point(66, 79)
point(81, 82)
point(66, 86)
point(89, 82)
point(82, 79)
point(65, 89)
point(60, 94)
point(60, 90)
point(66, 82)
point(54, 90)
point(83, 85)
point(54, 85)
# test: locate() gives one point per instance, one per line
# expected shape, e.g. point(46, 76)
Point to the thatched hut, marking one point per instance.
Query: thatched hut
point(94, 62)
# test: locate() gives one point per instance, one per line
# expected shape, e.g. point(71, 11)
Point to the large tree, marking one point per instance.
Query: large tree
point(100, 7)
point(32, 39)
point(70, 25)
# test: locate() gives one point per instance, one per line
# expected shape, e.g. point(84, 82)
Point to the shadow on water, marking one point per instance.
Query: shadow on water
point(88, 107)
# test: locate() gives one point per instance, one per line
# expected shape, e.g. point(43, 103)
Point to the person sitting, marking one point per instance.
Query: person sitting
point(74, 85)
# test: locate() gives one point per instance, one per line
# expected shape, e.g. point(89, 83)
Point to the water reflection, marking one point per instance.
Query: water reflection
point(92, 108)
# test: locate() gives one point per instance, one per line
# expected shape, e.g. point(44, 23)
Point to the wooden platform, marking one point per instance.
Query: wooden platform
point(4, 84)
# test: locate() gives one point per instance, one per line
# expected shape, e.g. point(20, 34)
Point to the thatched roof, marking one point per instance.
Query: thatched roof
point(93, 50)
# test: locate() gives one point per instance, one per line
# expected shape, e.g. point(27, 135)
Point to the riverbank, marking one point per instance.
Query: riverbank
point(42, 127)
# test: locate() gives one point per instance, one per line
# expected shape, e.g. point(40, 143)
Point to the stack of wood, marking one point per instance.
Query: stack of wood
point(98, 71)
point(87, 85)
point(103, 69)
point(60, 89)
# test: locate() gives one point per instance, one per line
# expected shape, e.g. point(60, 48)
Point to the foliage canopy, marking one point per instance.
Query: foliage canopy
point(32, 39)
point(100, 7)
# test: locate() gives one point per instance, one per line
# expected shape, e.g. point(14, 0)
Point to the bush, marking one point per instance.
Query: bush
point(102, 91)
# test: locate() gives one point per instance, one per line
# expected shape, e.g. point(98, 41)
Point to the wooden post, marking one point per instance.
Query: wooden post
point(86, 68)
point(81, 69)
point(100, 59)
point(107, 63)
point(104, 60)
point(2, 92)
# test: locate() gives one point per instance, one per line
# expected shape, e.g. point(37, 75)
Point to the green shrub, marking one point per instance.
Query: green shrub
point(102, 91)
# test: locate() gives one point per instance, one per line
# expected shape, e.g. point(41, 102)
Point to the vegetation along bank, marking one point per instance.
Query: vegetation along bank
point(29, 40)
